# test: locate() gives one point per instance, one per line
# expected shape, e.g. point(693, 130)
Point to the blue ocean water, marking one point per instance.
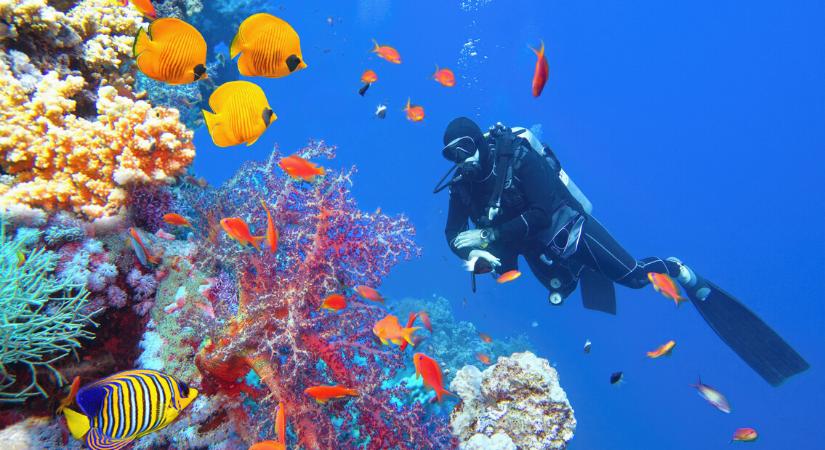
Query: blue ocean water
point(695, 129)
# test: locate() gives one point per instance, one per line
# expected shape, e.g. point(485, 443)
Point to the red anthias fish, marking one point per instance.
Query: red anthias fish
point(485, 337)
point(444, 76)
point(425, 319)
point(542, 71)
point(297, 167)
point(744, 435)
point(665, 286)
point(280, 430)
point(386, 52)
point(482, 358)
point(69, 398)
point(334, 302)
point(369, 293)
point(508, 276)
point(323, 394)
point(271, 237)
point(177, 220)
point(238, 230)
point(428, 369)
point(664, 350)
point(144, 6)
point(415, 113)
point(369, 76)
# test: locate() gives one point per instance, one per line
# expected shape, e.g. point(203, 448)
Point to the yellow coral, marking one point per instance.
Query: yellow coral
point(61, 161)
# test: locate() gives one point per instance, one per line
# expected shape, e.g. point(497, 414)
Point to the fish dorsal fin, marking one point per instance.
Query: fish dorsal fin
point(167, 27)
point(96, 440)
point(250, 28)
point(91, 398)
point(221, 96)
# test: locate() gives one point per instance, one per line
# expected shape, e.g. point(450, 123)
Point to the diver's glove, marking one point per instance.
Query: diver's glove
point(474, 238)
point(475, 255)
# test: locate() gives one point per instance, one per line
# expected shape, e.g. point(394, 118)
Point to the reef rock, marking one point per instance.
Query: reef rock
point(515, 403)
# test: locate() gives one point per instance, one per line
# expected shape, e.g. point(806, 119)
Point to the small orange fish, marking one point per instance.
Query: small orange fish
point(268, 445)
point(425, 319)
point(297, 167)
point(508, 276)
point(542, 71)
point(415, 113)
point(744, 435)
point(177, 220)
point(428, 369)
point(238, 230)
point(389, 330)
point(410, 322)
point(369, 76)
point(386, 52)
point(484, 359)
point(144, 6)
point(271, 232)
point(486, 338)
point(323, 394)
point(665, 286)
point(664, 350)
point(334, 302)
point(141, 251)
point(69, 398)
point(280, 432)
point(369, 293)
point(444, 76)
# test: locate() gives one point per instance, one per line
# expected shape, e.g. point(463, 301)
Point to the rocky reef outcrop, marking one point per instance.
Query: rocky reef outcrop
point(515, 403)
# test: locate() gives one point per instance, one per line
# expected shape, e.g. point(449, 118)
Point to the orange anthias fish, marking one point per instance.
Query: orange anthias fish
point(410, 323)
point(542, 71)
point(271, 236)
point(664, 350)
point(144, 6)
point(482, 358)
point(744, 435)
point(323, 394)
point(69, 398)
point(389, 330)
point(444, 76)
point(508, 276)
point(486, 338)
point(297, 167)
point(386, 52)
point(280, 431)
point(369, 293)
point(369, 76)
point(334, 302)
point(415, 113)
point(238, 230)
point(428, 369)
point(141, 251)
point(665, 286)
point(177, 220)
point(425, 319)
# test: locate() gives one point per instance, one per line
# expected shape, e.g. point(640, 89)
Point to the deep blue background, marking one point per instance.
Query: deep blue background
point(696, 129)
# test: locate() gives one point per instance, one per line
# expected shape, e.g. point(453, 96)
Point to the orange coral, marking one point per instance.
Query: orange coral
point(60, 161)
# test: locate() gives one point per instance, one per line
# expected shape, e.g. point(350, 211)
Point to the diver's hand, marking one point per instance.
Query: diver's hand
point(485, 255)
point(473, 239)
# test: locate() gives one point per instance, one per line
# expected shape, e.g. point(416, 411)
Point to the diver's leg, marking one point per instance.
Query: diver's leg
point(601, 252)
point(559, 280)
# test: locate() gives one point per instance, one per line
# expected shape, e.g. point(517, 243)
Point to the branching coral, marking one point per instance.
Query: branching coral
point(326, 245)
point(72, 136)
point(42, 318)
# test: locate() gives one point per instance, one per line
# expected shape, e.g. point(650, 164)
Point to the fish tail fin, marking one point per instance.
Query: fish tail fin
point(256, 242)
point(408, 104)
point(375, 49)
point(540, 51)
point(142, 43)
point(78, 423)
point(407, 333)
point(440, 393)
point(353, 392)
point(236, 46)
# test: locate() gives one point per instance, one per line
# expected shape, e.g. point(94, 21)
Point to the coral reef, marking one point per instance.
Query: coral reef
point(72, 135)
point(519, 397)
point(43, 318)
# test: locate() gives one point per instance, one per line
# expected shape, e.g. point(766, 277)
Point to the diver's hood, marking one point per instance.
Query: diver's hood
point(458, 131)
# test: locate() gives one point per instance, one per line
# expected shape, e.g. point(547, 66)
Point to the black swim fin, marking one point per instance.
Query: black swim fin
point(747, 335)
point(598, 292)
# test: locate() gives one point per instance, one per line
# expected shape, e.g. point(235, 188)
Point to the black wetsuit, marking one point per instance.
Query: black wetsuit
point(530, 205)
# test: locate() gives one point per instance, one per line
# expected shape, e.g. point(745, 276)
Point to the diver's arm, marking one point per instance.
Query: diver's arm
point(534, 175)
point(457, 218)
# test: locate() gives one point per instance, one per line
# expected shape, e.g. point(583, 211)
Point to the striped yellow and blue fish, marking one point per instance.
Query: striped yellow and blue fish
point(126, 406)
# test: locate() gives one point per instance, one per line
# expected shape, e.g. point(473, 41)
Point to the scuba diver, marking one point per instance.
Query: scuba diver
point(520, 201)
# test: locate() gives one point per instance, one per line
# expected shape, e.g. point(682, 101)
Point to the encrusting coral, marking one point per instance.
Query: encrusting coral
point(58, 152)
point(515, 403)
